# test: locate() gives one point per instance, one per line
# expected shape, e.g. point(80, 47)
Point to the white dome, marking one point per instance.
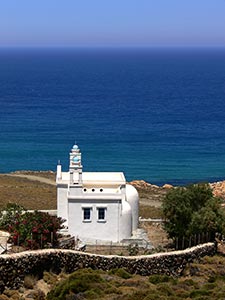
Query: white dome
point(133, 199)
point(126, 221)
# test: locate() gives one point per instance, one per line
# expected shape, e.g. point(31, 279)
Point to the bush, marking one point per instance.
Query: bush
point(121, 273)
point(82, 282)
point(200, 292)
point(32, 230)
point(155, 279)
point(192, 210)
point(10, 213)
point(133, 249)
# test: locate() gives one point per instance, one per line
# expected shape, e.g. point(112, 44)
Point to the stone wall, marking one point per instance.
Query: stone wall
point(14, 267)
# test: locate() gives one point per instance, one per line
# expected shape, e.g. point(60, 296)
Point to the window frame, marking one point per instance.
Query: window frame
point(101, 209)
point(85, 209)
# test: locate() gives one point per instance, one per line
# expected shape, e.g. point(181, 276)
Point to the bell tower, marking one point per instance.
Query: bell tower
point(75, 168)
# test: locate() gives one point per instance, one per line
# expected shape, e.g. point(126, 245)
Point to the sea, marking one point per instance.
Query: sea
point(156, 114)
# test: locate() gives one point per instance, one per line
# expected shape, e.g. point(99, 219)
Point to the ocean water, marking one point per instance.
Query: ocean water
point(155, 114)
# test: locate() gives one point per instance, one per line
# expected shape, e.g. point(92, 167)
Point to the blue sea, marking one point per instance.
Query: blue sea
point(157, 114)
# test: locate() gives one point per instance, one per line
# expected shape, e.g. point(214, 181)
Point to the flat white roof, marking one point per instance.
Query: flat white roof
point(110, 178)
point(104, 176)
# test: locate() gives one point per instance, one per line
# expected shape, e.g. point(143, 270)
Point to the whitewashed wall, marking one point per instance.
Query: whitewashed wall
point(62, 204)
point(95, 230)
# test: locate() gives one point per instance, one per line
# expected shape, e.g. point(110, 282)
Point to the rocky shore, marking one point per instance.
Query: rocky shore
point(217, 187)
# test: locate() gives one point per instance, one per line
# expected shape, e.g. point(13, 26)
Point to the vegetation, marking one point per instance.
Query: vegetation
point(121, 273)
point(133, 249)
point(32, 230)
point(192, 210)
point(202, 281)
point(85, 282)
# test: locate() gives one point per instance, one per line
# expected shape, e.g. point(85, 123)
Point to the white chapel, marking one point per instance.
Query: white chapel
point(96, 205)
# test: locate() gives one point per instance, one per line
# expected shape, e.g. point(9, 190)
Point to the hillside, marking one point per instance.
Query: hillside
point(201, 280)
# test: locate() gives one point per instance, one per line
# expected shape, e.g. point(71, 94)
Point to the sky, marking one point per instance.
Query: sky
point(94, 23)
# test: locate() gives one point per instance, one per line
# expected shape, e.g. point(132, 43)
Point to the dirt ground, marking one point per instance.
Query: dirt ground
point(156, 234)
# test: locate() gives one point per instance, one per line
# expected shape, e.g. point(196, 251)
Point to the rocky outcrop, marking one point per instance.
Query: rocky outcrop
point(142, 184)
point(218, 189)
point(167, 186)
point(13, 268)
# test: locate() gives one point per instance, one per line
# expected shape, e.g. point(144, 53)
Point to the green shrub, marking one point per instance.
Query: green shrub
point(121, 273)
point(83, 282)
point(165, 289)
point(90, 294)
point(10, 214)
point(112, 290)
point(210, 286)
point(155, 279)
point(192, 210)
point(199, 293)
point(49, 278)
point(189, 282)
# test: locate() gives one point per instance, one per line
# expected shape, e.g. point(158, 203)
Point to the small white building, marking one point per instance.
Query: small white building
point(96, 205)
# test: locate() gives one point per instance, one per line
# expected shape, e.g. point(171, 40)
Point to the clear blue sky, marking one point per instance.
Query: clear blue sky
point(112, 22)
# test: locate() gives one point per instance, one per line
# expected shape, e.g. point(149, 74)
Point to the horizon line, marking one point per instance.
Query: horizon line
point(106, 46)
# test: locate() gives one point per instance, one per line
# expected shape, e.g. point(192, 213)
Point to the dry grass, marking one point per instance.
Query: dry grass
point(151, 195)
point(156, 234)
point(30, 281)
point(28, 193)
point(147, 211)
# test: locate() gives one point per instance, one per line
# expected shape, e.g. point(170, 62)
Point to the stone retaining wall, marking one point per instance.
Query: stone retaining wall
point(14, 267)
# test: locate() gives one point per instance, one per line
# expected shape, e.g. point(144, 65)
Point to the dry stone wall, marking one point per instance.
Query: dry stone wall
point(14, 267)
